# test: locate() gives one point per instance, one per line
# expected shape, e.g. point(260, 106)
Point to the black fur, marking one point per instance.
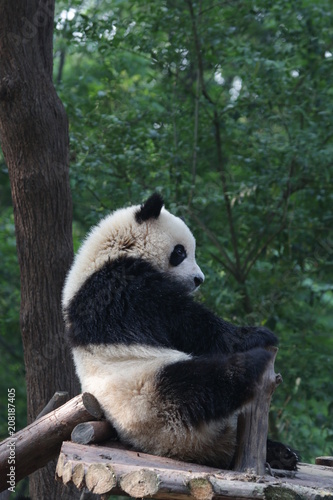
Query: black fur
point(280, 456)
point(129, 302)
point(178, 255)
point(210, 388)
point(150, 208)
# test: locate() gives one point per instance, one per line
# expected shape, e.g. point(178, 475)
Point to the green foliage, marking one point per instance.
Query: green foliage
point(11, 368)
point(226, 109)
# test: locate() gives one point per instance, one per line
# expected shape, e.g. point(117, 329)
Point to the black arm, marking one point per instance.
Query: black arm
point(128, 301)
point(205, 389)
point(187, 325)
point(164, 310)
point(203, 332)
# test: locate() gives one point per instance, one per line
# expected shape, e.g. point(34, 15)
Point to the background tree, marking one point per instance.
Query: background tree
point(34, 141)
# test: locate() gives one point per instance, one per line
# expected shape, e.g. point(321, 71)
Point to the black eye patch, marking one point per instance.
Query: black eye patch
point(178, 255)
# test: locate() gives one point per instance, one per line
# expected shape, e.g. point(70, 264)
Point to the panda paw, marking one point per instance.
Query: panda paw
point(256, 362)
point(280, 456)
point(247, 369)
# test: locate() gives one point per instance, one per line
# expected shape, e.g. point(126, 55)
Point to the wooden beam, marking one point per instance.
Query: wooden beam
point(328, 461)
point(35, 445)
point(93, 432)
point(117, 471)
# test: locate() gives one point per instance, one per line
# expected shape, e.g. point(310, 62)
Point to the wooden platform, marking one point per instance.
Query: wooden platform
point(112, 470)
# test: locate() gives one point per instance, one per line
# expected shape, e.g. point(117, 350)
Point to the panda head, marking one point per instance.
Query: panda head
point(149, 232)
point(170, 245)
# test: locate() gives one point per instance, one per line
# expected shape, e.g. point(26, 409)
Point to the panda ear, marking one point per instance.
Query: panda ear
point(150, 208)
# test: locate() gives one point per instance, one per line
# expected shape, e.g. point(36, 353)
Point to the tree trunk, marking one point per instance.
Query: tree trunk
point(34, 140)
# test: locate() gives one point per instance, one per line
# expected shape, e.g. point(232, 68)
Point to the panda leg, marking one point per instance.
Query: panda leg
point(208, 388)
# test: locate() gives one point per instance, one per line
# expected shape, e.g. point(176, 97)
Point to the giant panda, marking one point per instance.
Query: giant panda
point(170, 375)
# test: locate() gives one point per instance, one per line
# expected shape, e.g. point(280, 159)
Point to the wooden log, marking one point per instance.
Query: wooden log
point(141, 475)
point(140, 483)
point(252, 427)
point(35, 445)
point(93, 432)
point(100, 478)
point(58, 399)
point(328, 461)
point(201, 488)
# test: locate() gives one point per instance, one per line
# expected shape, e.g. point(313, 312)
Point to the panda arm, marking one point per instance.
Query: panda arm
point(191, 327)
point(129, 301)
point(205, 332)
point(205, 389)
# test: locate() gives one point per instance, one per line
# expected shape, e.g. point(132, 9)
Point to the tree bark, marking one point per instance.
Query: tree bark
point(252, 427)
point(34, 140)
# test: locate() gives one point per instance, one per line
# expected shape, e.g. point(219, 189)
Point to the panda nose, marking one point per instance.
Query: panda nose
point(198, 280)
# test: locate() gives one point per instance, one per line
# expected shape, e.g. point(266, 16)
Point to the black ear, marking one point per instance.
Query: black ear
point(150, 208)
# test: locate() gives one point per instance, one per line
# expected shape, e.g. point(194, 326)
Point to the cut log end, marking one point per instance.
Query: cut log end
point(78, 476)
point(93, 432)
point(201, 488)
point(92, 405)
point(100, 478)
point(140, 484)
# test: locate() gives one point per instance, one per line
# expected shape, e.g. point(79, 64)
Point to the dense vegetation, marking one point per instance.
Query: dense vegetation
point(225, 108)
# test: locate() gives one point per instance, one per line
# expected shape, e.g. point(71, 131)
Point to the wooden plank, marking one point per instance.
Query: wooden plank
point(325, 461)
point(114, 470)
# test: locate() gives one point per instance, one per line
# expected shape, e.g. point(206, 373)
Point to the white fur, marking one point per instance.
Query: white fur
point(122, 378)
point(120, 235)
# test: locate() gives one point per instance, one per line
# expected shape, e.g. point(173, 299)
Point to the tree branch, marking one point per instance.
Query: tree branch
point(232, 228)
point(195, 140)
point(226, 262)
point(220, 160)
point(255, 252)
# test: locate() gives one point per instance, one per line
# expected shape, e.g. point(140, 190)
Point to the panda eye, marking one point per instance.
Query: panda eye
point(178, 255)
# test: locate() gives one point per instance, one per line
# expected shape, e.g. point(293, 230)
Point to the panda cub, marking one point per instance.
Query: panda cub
point(169, 374)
